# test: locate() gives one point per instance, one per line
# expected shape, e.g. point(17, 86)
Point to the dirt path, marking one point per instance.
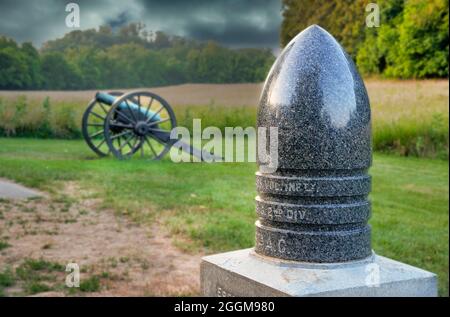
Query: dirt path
point(129, 259)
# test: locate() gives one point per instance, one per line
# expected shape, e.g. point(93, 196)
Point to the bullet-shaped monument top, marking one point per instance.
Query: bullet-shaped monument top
point(316, 97)
point(314, 208)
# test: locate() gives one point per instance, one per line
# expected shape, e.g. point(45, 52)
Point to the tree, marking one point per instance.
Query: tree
point(412, 41)
point(18, 65)
point(33, 62)
point(343, 18)
point(214, 64)
point(378, 50)
point(422, 49)
point(58, 74)
point(161, 40)
point(84, 62)
point(128, 58)
point(13, 70)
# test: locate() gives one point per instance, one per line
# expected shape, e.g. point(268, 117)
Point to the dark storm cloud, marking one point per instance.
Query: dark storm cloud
point(29, 20)
point(232, 22)
point(121, 20)
point(236, 23)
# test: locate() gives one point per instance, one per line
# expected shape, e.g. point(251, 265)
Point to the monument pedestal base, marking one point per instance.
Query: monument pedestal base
point(244, 273)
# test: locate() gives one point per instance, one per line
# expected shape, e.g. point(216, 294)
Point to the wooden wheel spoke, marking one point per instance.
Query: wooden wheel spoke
point(154, 115)
point(157, 122)
point(120, 135)
point(119, 144)
point(93, 135)
point(121, 125)
point(132, 113)
point(124, 116)
point(97, 115)
point(103, 108)
point(142, 149)
point(157, 140)
point(101, 143)
point(158, 130)
point(150, 145)
point(95, 124)
point(127, 141)
point(148, 107)
point(131, 145)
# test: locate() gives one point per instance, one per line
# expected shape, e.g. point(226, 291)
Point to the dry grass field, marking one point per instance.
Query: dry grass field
point(390, 99)
point(387, 96)
point(180, 95)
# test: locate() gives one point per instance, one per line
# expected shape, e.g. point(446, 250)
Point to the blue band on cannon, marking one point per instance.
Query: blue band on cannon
point(110, 99)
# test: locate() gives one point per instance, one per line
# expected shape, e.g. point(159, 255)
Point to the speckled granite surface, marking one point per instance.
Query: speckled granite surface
point(314, 208)
point(242, 273)
point(312, 236)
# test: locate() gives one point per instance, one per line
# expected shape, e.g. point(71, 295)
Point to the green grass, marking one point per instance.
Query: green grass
point(35, 276)
point(3, 245)
point(211, 206)
point(38, 275)
point(428, 137)
point(92, 284)
point(6, 280)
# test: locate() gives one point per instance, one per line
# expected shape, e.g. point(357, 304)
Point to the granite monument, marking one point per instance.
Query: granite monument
point(312, 232)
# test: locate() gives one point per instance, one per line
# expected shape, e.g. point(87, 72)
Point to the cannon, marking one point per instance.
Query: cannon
point(135, 123)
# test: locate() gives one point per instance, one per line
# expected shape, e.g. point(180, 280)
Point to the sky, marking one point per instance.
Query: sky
point(233, 23)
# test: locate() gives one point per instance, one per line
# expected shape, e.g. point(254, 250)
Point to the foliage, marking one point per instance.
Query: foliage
point(58, 73)
point(411, 42)
point(427, 138)
point(422, 47)
point(128, 58)
point(343, 19)
point(19, 68)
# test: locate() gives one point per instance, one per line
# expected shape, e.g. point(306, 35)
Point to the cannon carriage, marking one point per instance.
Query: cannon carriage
point(131, 124)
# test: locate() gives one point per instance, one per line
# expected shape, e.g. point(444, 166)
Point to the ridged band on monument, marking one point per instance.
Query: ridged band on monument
point(313, 186)
point(313, 219)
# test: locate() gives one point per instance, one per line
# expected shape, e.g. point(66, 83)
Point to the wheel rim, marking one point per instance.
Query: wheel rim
point(93, 125)
point(139, 124)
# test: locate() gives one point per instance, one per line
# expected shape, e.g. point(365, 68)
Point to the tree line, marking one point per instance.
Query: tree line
point(127, 58)
point(412, 40)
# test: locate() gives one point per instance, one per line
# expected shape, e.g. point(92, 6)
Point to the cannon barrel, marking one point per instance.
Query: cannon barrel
point(110, 99)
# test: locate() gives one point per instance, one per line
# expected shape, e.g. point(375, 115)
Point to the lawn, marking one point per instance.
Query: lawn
point(211, 206)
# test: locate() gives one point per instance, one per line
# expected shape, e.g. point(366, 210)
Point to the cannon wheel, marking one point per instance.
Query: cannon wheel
point(92, 126)
point(129, 132)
